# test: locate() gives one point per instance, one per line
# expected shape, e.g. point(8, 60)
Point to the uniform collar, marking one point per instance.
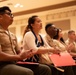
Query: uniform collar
point(3, 30)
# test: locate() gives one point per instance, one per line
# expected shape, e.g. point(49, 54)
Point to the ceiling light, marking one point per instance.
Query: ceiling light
point(18, 5)
point(21, 5)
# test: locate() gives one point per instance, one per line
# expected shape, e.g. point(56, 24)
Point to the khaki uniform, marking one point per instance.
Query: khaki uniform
point(74, 44)
point(49, 40)
point(8, 45)
point(67, 69)
point(8, 42)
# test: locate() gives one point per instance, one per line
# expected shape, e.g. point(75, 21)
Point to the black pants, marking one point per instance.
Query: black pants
point(74, 69)
point(55, 71)
point(68, 70)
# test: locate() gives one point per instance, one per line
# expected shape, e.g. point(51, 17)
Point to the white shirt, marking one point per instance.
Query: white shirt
point(29, 41)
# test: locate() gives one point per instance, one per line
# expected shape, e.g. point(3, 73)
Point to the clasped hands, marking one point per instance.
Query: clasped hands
point(27, 53)
point(56, 50)
point(70, 47)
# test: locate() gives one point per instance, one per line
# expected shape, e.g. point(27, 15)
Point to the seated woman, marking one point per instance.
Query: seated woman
point(60, 43)
point(33, 39)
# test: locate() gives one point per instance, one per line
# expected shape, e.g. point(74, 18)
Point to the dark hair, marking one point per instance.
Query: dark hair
point(70, 31)
point(31, 20)
point(2, 9)
point(57, 36)
point(47, 26)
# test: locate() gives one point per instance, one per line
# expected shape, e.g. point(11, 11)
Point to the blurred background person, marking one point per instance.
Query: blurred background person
point(71, 41)
point(55, 39)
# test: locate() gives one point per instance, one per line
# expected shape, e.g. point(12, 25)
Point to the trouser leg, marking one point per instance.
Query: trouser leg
point(55, 71)
point(44, 70)
point(74, 69)
point(12, 69)
point(40, 69)
point(68, 70)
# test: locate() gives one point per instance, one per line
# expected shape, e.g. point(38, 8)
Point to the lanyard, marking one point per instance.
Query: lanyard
point(7, 31)
point(11, 42)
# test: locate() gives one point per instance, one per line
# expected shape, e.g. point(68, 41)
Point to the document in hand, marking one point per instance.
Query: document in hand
point(62, 59)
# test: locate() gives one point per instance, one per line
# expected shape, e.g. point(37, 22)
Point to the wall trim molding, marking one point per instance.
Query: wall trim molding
point(57, 15)
point(46, 8)
point(65, 14)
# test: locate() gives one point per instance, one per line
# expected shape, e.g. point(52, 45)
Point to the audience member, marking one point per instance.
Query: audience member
point(71, 41)
point(53, 32)
point(10, 52)
point(37, 42)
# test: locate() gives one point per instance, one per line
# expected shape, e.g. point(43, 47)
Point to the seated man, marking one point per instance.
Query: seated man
point(10, 53)
point(51, 31)
point(71, 40)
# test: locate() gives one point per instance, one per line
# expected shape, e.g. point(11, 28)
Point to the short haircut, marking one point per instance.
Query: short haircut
point(2, 9)
point(70, 31)
point(48, 25)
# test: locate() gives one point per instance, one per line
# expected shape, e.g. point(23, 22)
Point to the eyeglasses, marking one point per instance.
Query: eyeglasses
point(11, 15)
